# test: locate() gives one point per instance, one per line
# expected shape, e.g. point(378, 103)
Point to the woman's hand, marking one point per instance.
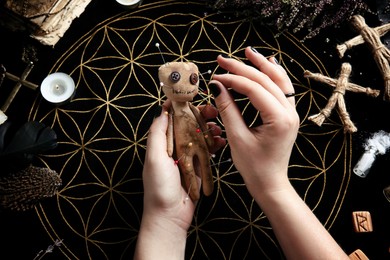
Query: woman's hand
point(168, 210)
point(261, 154)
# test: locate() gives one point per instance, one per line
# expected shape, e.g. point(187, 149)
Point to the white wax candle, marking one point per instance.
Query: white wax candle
point(58, 88)
point(129, 3)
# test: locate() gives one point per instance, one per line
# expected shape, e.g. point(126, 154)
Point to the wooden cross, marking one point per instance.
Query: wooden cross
point(19, 83)
point(371, 36)
point(341, 85)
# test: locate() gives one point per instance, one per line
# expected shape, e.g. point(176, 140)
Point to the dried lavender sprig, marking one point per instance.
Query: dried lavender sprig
point(295, 15)
point(345, 12)
point(316, 9)
point(49, 249)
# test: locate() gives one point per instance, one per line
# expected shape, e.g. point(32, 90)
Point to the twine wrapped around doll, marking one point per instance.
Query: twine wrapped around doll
point(357, 40)
point(341, 85)
point(371, 36)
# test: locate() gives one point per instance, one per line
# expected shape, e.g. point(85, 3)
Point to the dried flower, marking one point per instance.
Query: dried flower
point(24, 189)
point(49, 249)
point(295, 15)
point(387, 9)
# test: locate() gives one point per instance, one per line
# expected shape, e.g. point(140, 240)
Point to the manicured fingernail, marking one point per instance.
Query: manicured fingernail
point(225, 55)
point(254, 50)
point(276, 60)
point(214, 89)
point(157, 111)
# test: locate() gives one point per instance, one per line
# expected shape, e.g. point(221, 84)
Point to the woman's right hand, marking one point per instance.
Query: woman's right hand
point(261, 154)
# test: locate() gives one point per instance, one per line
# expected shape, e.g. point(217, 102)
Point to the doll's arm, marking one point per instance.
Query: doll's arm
point(203, 126)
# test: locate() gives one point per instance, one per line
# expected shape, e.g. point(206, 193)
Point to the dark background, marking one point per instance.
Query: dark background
point(21, 233)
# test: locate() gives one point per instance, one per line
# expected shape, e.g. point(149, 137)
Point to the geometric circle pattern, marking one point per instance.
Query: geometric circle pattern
point(102, 134)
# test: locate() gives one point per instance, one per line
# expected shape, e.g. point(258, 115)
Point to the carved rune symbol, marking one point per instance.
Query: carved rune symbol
point(362, 221)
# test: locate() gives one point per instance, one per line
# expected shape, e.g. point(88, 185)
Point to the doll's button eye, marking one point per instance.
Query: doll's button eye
point(194, 78)
point(175, 76)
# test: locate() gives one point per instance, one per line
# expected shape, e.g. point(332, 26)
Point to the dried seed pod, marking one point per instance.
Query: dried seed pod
point(24, 189)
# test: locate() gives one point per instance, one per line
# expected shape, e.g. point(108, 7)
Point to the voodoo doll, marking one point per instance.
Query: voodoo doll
point(187, 135)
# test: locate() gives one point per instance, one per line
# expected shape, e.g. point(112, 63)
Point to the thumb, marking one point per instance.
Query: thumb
point(157, 139)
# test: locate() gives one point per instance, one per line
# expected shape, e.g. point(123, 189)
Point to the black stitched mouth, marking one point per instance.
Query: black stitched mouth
point(180, 92)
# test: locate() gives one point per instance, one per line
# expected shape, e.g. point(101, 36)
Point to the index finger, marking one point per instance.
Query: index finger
point(278, 88)
point(260, 98)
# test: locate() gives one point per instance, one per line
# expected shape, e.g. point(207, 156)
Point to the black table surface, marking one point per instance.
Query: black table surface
point(321, 165)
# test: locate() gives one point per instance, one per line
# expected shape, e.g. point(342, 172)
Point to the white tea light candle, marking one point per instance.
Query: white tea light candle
point(58, 88)
point(129, 3)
